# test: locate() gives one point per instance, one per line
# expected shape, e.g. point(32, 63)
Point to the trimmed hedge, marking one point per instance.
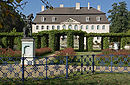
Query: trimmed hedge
point(17, 41)
point(52, 41)
point(105, 43)
point(123, 42)
point(70, 40)
point(43, 41)
point(90, 44)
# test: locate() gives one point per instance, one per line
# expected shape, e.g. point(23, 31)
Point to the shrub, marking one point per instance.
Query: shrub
point(42, 51)
point(66, 52)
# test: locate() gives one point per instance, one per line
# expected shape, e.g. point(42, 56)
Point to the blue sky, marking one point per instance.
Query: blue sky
point(34, 6)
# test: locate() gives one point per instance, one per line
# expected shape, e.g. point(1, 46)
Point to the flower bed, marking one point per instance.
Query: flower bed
point(42, 51)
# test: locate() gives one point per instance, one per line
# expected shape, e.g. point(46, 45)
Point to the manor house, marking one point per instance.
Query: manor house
point(88, 19)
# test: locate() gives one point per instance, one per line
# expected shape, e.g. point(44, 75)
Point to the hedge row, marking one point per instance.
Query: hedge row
point(41, 39)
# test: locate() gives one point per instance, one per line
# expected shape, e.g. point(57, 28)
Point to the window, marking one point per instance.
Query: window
point(70, 27)
point(75, 27)
point(37, 27)
point(47, 27)
point(81, 27)
point(92, 27)
point(58, 27)
point(42, 27)
point(97, 27)
point(53, 27)
point(87, 19)
point(103, 27)
point(86, 27)
point(98, 18)
point(43, 19)
point(64, 27)
point(53, 19)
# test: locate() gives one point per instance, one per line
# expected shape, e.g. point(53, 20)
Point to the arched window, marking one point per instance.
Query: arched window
point(103, 27)
point(42, 27)
point(64, 27)
point(75, 27)
point(70, 27)
point(47, 27)
point(58, 27)
point(86, 27)
point(92, 27)
point(81, 27)
point(37, 27)
point(53, 27)
point(97, 27)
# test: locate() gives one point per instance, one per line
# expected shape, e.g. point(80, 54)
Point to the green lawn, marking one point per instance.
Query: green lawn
point(88, 79)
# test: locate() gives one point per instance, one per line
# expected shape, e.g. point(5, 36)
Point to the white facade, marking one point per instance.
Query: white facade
point(73, 25)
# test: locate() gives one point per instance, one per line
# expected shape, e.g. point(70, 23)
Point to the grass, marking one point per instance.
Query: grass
point(88, 79)
point(87, 53)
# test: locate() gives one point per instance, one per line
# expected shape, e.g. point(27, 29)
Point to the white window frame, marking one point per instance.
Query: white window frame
point(64, 26)
point(87, 19)
point(42, 27)
point(53, 27)
point(98, 18)
point(47, 27)
point(37, 27)
point(58, 27)
point(86, 27)
point(70, 27)
point(76, 27)
point(103, 27)
point(53, 19)
point(92, 27)
point(42, 19)
point(81, 27)
point(98, 27)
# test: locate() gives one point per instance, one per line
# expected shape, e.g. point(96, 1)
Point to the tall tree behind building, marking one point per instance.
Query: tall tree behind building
point(118, 18)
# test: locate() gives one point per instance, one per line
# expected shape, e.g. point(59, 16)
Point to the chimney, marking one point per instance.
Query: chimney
point(43, 8)
point(61, 5)
point(77, 6)
point(99, 7)
point(88, 5)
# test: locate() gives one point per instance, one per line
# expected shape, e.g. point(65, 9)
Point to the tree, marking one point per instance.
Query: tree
point(10, 17)
point(118, 18)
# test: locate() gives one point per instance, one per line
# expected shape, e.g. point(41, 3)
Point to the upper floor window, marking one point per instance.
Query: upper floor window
point(92, 27)
point(70, 27)
point(58, 27)
point(43, 19)
point(37, 27)
point(75, 27)
point(103, 27)
point(64, 27)
point(42, 27)
point(97, 27)
point(47, 27)
point(81, 27)
point(53, 19)
point(87, 19)
point(53, 27)
point(87, 27)
point(98, 18)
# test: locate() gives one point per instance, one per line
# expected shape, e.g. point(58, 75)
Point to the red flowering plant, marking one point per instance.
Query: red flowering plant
point(6, 53)
point(42, 51)
point(121, 55)
point(66, 52)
